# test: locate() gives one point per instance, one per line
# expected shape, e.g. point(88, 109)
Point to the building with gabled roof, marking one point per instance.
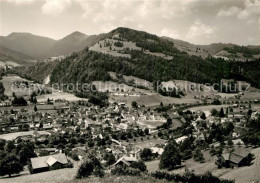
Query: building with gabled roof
point(45, 163)
point(236, 158)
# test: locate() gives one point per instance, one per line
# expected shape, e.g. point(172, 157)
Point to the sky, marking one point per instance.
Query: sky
point(195, 21)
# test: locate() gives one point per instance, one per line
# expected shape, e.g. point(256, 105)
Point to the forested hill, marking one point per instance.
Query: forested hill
point(87, 66)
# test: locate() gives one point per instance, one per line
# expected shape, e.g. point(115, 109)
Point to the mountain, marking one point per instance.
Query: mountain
point(26, 43)
point(42, 47)
point(219, 50)
point(67, 45)
point(7, 55)
point(146, 56)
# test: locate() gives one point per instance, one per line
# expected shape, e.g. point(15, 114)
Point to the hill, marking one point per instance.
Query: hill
point(7, 56)
point(219, 50)
point(145, 63)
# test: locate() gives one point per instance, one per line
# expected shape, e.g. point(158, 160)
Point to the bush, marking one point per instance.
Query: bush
point(75, 157)
point(198, 156)
point(99, 172)
point(139, 165)
point(125, 171)
point(189, 177)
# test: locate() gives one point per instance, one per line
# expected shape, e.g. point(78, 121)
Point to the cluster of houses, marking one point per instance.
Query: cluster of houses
point(38, 126)
point(116, 118)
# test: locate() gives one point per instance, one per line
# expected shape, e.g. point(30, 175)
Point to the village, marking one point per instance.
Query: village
point(65, 133)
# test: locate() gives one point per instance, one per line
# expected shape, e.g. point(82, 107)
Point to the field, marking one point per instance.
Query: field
point(209, 107)
point(12, 136)
point(153, 100)
point(115, 51)
point(43, 108)
point(23, 91)
point(54, 176)
point(59, 95)
point(10, 88)
point(8, 63)
point(119, 179)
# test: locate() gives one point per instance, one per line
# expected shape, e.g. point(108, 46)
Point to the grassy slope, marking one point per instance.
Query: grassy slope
point(121, 179)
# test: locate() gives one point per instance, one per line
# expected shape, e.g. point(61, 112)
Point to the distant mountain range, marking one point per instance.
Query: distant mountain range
point(31, 46)
point(39, 47)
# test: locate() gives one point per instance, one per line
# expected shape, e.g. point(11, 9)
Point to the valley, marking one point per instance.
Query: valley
point(128, 104)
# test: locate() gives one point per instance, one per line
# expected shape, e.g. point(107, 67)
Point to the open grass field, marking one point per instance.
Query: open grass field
point(42, 108)
point(152, 166)
point(118, 179)
point(146, 143)
point(256, 107)
point(59, 95)
point(154, 100)
point(115, 51)
point(209, 107)
point(12, 136)
point(150, 124)
point(8, 63)
point(54, 176)
point(10, 88)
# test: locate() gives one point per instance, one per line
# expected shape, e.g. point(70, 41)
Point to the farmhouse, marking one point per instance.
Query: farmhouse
point(237, 158)
point(125, 160)
point(46, 163)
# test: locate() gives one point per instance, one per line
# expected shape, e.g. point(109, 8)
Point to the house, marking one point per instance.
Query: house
point(124, 127)
point(181, 139)
point(236, 158)
point(52, 162)
point(157, 150)
point(125, 161)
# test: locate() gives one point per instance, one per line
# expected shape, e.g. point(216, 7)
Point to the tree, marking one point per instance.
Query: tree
point(146, 154)
point(35, 109)
point(216, 102)
point(91, 143)
point(75, 157)
point(41, 125)
point(19, 101)
point(221, 113)
point(110, 159)
point(43, 153)
point(9, 146)
point(170, 157)
point(214, 112)
point(10, 164)
point(85, 170)
point(139, 165)
point(230, 142)
point(227, 112)
point(25, 151)
point(203, 115)
point(198, 156)
point(146, 131)
point(134, 105)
